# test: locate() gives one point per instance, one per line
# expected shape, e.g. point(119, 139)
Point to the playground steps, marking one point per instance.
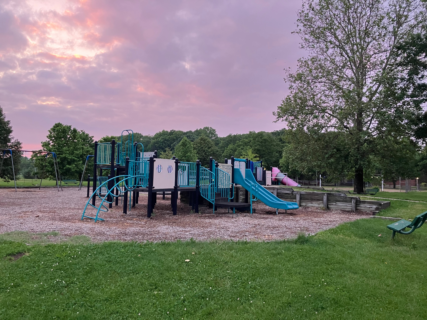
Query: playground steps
point(221, 202)
point(226, 204)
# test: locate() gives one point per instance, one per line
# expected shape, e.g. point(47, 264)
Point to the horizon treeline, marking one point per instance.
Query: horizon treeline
point(265, 146)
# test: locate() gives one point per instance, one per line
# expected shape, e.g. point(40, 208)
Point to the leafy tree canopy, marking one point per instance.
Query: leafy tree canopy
point(71, 147)
point(343, 84)
point(8, 142)
point(250, 155)
point(184, 151)
point(167, 154)
point(205, 148)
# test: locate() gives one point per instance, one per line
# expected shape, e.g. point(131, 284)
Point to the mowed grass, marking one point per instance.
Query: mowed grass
point(354, 271)
point(34, 183)
point(413, 195)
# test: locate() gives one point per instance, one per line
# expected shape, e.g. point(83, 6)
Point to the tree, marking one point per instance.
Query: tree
point(184, 151)
point(208, 132)
point(324, 152)
point(71, 147)
point(165, 139)
point(250, 155)
point(342, 85)
point(167, 154)
point(397, 158)
point(28, 170)
point(8, 142)
point(411, 79)
point(109, 139)
point(205, 149)
point(420, 122)
point(267, 146)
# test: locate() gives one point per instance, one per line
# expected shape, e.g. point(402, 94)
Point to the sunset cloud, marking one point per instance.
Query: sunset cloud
point(105, 65)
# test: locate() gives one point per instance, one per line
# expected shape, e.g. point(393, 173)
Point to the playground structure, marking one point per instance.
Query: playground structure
point(132, 172)
point(9, 152)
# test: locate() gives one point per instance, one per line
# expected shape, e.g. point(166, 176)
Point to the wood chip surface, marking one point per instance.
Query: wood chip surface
point(48, 210)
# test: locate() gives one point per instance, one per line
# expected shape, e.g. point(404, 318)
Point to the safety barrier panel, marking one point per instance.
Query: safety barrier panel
point(207, 185)
point(187, 174)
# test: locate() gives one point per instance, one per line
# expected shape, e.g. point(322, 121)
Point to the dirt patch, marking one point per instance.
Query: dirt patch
point(48, 210)
point(16, 256)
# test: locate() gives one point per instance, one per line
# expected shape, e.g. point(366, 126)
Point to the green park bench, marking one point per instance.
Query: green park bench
point(372, 191)
point(401, 225)
point(67, 181)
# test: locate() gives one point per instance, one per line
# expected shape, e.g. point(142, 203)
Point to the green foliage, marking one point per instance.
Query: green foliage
point(268, 146)
point(165, 139)
point(343, 84)
point(28, 169)
point(205, 149)
point(324, 153)
point(207, 132)
point(167, 154)
point(7, 142)
point(397, 158)
point(411, 75)
point(71, 147)
point(109, 139)
point(249, 154)
point(420, 122)
point(5, 131)
point(184, 151)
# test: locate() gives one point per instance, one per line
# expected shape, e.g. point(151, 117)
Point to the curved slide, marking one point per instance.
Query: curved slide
point(260, 192)
point(278, 176)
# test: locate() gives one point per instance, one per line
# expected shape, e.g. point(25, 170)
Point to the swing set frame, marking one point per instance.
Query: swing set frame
point(45, 153)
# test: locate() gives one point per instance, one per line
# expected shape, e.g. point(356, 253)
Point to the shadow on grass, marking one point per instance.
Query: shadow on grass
point(44, 238)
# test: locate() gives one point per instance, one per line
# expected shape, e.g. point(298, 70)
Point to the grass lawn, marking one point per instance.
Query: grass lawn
point(36, 182)
point(413, 195)
point(349, 272)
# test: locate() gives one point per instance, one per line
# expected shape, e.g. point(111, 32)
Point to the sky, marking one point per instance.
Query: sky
point(106, 65)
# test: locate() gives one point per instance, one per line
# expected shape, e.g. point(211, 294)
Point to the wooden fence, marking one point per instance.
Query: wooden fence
point(332, 201)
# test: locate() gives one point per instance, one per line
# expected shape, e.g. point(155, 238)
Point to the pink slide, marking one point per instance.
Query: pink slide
point(278, 176)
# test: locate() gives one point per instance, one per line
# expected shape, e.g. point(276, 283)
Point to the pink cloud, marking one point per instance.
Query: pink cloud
point(103, 65)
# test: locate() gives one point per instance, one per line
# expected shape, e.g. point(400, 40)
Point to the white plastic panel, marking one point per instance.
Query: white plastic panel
point(164, 174)
point(259, 174)
point(268, 178)
point(242, 166)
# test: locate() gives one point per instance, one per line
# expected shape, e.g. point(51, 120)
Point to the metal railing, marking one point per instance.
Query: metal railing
point(103, 153)
point(140, 169)
point(223, 185)
point(207, 185)
point(120, 183)
point(187, 172)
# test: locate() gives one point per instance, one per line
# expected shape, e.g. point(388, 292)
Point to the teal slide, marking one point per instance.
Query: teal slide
point(250, 184)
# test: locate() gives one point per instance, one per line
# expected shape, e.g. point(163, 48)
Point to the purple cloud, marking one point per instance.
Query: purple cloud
point(105, 65)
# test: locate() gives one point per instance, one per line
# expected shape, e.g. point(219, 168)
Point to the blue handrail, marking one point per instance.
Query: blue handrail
point(207, 185)
point(110, 192)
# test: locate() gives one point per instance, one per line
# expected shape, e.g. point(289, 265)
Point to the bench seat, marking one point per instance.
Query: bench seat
point(401, 225)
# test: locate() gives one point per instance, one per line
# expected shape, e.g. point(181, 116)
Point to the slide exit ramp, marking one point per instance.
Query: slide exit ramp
point(262, 194)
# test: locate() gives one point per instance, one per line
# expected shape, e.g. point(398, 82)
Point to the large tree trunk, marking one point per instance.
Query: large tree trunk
point(394, 184)
point(358, 180)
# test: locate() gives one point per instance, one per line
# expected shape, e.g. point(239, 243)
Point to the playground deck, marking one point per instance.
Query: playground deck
point(49, 210)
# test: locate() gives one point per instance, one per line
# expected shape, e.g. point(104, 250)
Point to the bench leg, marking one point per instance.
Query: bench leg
point(394, 233)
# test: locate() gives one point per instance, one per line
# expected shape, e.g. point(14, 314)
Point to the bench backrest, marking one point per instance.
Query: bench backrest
point(421, 218)
point(418, 220)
